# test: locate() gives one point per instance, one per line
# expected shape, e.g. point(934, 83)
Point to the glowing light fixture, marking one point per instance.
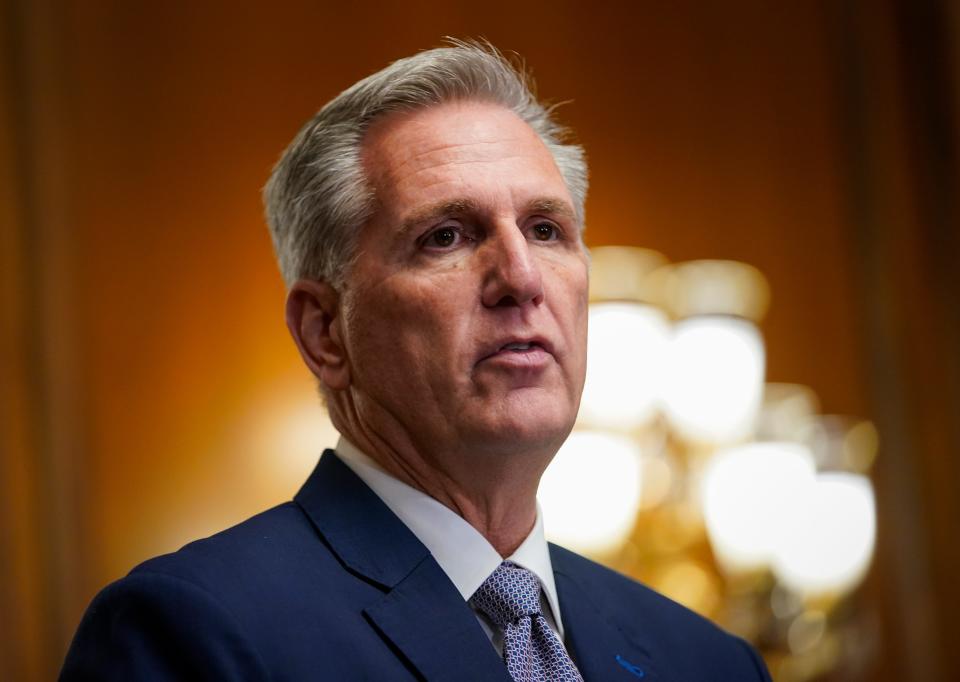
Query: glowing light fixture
point(711, 287)
point(841, 443)
point(625, 358)
point(747, 494)
point(622, 273)
point(829, 535)
point(786, 412)
point(590, 493)
point(715, 366)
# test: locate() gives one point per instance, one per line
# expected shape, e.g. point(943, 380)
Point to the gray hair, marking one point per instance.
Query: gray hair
point(318, 196)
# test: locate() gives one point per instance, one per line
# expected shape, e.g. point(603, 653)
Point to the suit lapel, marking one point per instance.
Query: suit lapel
point(360, 529)
point(599, 645)
point(427, 619)
point(421, 612)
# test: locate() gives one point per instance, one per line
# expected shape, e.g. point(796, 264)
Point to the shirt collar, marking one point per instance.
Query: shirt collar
point(461, 551)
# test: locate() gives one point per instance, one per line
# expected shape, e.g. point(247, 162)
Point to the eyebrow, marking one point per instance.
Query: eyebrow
point(552, 206)
point(443, 209)
point(438, 211)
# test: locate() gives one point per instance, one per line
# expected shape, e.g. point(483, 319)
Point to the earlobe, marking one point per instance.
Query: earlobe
point(313, 318)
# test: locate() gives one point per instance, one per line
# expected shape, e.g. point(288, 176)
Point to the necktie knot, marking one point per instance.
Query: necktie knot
point(510, 597)
point(508, 594)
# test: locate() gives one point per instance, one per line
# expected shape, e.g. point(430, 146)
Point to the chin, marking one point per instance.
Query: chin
point(526, 432)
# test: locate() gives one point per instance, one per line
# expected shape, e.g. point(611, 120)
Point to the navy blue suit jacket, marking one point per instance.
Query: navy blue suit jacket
point(333, 586)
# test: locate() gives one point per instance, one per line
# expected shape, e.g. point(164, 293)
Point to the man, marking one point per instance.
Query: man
point(428, 224)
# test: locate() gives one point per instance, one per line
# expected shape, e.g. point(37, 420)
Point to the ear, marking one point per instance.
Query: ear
point(314, 321)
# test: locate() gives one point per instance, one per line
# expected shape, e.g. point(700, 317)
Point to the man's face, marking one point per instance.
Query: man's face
point(465, 314)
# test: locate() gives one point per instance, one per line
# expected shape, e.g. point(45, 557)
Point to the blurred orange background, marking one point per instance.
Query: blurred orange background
point(143, 349)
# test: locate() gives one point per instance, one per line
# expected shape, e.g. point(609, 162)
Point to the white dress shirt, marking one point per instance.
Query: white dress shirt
point(462, 552)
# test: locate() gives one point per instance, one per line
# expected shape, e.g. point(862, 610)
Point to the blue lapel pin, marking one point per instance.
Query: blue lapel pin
point(627, 665)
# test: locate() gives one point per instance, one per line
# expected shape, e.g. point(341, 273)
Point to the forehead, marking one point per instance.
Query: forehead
point(458, 148)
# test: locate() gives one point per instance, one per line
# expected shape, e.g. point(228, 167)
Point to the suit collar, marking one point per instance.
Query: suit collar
point(463, 553)
point(420, 611)
point(360, 529)
point(424, 616)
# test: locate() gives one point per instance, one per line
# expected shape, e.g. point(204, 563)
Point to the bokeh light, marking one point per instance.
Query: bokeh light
point(622, 273)
point(590, 493)
point(748, 492)
point(625, 362)
point(828, 536)
point(841, 443)
point(715, 366)
point(786, 412)
point(711, 287)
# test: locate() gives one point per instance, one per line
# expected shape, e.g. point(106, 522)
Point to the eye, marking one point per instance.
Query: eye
point(443, 238)
point(545, 232)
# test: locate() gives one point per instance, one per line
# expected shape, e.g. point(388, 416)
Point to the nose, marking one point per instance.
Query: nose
point(512, 275)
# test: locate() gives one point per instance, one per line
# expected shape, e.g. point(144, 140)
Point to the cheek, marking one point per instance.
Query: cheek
point(410, 326)
point(436, 325)
point(572, 294)
point(571, 286)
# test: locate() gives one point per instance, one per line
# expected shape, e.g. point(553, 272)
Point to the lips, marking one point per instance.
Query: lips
point(516, 344)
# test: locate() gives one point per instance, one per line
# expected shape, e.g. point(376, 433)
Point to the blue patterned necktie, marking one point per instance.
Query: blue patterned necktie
point(510, 597)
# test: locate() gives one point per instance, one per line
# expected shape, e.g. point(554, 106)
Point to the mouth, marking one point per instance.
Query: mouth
point(518, 346)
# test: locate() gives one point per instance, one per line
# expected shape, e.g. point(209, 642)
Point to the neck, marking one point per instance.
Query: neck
point(494, 494)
